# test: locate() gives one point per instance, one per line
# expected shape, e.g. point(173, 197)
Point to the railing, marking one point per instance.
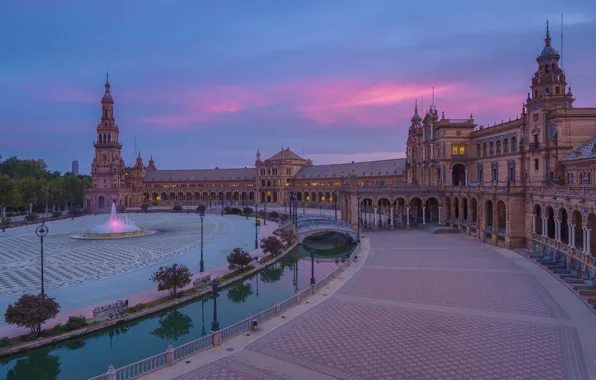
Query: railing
point(173, 355)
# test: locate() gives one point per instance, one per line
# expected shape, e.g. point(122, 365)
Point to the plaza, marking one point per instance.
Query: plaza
point(418, 306)
point(82, 274)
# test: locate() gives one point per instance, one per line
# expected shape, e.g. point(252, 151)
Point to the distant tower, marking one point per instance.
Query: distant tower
point(151, 165)
point(75, 167)
point(107, 170)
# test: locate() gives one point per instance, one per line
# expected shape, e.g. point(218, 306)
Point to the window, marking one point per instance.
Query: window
point(458, 150)
point(536, 164)
point(506, 146)
point(514, 144)
point(535, 93)
point(498, 146)
point(557, 90)
point(492, 148)
point(478, 150)
point(454, 150)
point(484, 150)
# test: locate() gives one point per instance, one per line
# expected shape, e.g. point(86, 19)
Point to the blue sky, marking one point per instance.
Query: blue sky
point(201, 84)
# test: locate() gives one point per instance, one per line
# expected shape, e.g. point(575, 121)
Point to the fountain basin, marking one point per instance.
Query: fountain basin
point(114, 228)
point(113, 235)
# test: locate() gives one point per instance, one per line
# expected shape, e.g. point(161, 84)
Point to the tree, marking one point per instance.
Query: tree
point(247, 210)
point(288, 236)
point(201, 208)
point(239, 293)
point(7, 192)
point(29, 192)
point(273, 215)
point(238, 260)
point(177, 207)
point(31, 311)
point(172, 278)
point(272, 273)
point(173, 326)
point(271, 245)
point(145, 206)
point(39, 366)
point(227, 210)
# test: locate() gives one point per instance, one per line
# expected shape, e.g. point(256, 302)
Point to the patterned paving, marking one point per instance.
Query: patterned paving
point(70, 261)
point(365, 332)
point(517, 293)
point(351, 340)
point(228, 369)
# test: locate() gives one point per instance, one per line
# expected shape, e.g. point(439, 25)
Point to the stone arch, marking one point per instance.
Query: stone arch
point(251, 196)
point(180, 196)
point(550, 222)
point(172, 196)
point(464, 210)
point(163, 197)
point(488, 215)
point(205, 196)
point(431, 210)
point(564, 220)
point(367, 211)
point(448, 209)
point(299, 196)
point(416, 209)
point(456, 208)
point(458, 175)
point(101, 202)
point(538, 219)
point(236, 196)
point(577, 225)
point(197, 196)
point(399, 207)
point(383, 205)
point(501, 217)
point(145, 197)
point(154, 197)
point(188, 196)
point(591, 242)
point(474, 209)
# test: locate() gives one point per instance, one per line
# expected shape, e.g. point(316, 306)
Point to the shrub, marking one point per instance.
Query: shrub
point(121, 208)
point(271, 245)
point(56, 214)
point(201, 208)
point(5, 221)
point(227, 210)
point(273, 215)
point(172, 278)
point(31, 311)
point(177, 208)
point(247, 210)
point(145, 207)
point(238, 260)
point(74, 323)
point(4, 342)
point(32, 217)
point(284, 217)
point(262, 213)
point(236, 211)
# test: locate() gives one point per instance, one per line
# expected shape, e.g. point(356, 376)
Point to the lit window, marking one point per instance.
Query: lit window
point(462, 150)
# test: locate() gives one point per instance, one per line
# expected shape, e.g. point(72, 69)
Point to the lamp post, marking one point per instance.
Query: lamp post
point(203, 332)
point(222, 203)
point(202, 263)
point(256, 225)
point(291, 196)
point(312, 266)
point(215, 323)
point(358, 196)
point(335, 206)
point(347, 247)
point(42, 231)
point(265, 216)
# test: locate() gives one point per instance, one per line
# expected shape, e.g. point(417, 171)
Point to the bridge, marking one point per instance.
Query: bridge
point(309, 219)
point(311, 226)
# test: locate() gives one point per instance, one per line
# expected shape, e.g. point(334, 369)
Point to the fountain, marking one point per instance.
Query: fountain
point(114, 228)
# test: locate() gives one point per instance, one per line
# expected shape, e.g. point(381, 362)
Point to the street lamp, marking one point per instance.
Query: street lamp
point(215, 323)
point(265, 216)
point(222, 203)
point(335, 206)
point(358, 196)
point(42, 231)
point(312, 266)
point(256, 226)
point(347, 248)
point(202, 263)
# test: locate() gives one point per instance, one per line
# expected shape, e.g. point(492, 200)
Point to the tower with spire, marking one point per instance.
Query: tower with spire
point(107, 169)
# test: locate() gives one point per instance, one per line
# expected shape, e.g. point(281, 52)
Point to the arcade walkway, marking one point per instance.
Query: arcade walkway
point(421, 306)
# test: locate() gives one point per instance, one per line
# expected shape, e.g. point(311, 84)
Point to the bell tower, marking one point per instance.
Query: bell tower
point(107, 169)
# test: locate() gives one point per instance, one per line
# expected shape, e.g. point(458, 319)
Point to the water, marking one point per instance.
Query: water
point(91, 355)
point(114, 225)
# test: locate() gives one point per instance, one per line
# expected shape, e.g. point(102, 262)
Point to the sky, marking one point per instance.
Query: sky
point(200, 84)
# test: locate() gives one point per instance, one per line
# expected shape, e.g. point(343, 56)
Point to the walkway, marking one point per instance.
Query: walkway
point(422, 306)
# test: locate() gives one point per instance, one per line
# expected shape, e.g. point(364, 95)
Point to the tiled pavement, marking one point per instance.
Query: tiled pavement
point(428, 307)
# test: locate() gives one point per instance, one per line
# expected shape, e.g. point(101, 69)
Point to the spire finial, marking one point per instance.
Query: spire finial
point(416, 107)
point(547, 39)
point(107, 77)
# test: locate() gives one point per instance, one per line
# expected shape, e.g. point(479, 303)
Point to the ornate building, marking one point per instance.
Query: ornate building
point(526, 182)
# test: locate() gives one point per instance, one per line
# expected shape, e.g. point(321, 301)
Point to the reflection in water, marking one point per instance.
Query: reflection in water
point(132, 341)
point(39, 366)
point(173, 326)
point(240, 292)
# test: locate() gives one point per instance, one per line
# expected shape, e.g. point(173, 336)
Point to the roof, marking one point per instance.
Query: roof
point(201, 175)
point(285, 154)
point(583, 152)
point(360, 169)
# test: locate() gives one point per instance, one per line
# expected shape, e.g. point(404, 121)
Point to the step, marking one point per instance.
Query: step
point(584, 287)
point(578, 281)
point(555, 267)
point(589, 293)
point(535, 256)
point(591, 300)
point(564, 276)
point(560, 271)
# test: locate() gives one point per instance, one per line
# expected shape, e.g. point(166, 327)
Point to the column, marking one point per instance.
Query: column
point(557, 230)
point(585, 233)
point(533, 223)
point(408, 217)
point(423, 215)
point(569, 232)
point(544, 224)
point(439, 214)
point(391, 226)
point(376, 220)
point(466, 178)
point(588, 242)
point(572, 236)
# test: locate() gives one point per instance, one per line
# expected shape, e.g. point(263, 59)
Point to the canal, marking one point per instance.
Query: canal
point(91, 355)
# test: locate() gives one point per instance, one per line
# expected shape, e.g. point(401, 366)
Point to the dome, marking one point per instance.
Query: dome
point(548, 51)
point(416, 117)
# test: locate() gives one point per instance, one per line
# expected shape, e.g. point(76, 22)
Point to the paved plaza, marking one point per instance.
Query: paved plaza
point(421, 306)
point(70, 261)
